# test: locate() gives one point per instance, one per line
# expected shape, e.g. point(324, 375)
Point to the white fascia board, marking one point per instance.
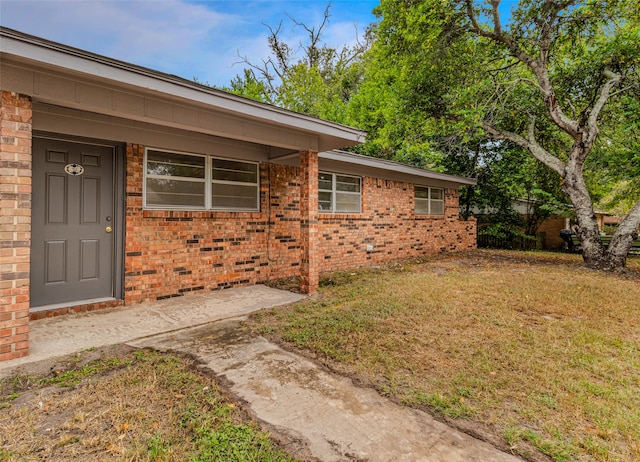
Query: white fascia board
point(372, 162)
point(89, 64)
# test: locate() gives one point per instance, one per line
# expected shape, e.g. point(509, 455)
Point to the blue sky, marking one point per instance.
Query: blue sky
point(191, 39)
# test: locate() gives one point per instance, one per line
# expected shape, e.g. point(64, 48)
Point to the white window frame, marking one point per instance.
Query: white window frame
point(333, 192)
point(428, 200)
point(208, 184)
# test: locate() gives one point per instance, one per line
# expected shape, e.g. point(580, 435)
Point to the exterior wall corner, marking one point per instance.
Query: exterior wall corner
point(15, 223)
point(309, 224)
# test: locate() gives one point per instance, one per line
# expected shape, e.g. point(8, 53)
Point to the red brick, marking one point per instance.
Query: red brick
point(6, 332)
point(15, 177)
point(170, 253)
point(14, 339)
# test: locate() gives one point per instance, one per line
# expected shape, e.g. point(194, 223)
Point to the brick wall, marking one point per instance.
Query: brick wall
point(551, 228)
point(309, 227)
point(388, 224)
point(15, 224)
point(172, 253)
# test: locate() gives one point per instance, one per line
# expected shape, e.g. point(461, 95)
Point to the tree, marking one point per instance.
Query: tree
point(312, 78)
point(551, 80)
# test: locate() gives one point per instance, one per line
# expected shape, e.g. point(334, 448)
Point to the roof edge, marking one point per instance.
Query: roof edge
point(12, 34)
point(383, 164)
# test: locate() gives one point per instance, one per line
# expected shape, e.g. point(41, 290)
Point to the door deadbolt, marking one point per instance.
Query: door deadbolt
point(108, 229)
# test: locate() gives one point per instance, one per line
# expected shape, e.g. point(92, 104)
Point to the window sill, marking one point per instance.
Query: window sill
point(429, 217)
point(340, 215)
point(201, 214)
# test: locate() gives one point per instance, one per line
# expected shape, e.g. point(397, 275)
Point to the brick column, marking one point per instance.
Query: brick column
point(15, 224)
point(309, 264)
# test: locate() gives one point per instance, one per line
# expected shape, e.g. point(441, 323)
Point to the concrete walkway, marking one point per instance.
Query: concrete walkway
point(320, 415)
point(69, 334)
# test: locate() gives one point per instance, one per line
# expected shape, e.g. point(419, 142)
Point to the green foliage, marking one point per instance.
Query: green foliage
point(251, 87)
point(157, 448)
point(448, 406)
point(242, 443)
point(319, 81)
point(73, 377)
point(423, 84)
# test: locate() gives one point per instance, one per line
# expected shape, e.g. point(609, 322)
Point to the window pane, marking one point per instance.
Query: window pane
point(324, 181)
point(170, 164)
point(347, 202)
point(422, 207)
point(347, 191)
point(324, 201)
point(234, 165)
point(324, 206)
point(230, 196)
point(436, 193)
point(347, 183)
point(420, 192)
point(437, 207)
point(175, 192)
point(227, 170)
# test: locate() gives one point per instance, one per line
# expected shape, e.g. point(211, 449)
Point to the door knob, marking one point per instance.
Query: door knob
point(108, 229)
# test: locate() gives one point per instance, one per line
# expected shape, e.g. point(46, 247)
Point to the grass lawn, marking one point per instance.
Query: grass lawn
point(530, 348)
point(126, 406)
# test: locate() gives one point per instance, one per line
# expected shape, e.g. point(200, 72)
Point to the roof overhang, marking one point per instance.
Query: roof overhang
point(57, 74)
point(371, 166)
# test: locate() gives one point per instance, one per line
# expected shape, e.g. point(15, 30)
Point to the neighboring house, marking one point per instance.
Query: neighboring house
point(548, 232)
point(120, 184)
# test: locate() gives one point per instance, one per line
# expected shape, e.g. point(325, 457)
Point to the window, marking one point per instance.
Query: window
point(428, 201)
point(339, 193)
point(190, 181)
point(234, 185)
point(176, 180)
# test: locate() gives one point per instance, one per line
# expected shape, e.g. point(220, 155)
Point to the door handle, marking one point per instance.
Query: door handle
point(108, 229)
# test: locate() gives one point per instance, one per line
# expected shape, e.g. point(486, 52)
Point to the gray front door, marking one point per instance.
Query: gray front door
point(72, 219)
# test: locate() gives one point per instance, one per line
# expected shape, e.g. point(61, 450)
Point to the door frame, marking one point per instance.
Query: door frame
point(119, 201)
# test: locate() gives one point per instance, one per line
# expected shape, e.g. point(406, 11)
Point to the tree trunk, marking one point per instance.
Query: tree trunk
point(467, 202)
point(623, 238)
point(594, 253)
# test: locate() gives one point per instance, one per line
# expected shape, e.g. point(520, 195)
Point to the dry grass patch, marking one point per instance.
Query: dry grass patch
point(538, 349)
point(131, 406)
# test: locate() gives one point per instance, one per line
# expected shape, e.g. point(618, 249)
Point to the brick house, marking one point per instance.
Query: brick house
point(120, 185)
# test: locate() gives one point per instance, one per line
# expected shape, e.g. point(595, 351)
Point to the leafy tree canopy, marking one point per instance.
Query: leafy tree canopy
point(558, 79)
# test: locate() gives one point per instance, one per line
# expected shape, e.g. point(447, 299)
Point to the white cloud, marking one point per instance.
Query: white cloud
point(189, 39)
point(169, 35)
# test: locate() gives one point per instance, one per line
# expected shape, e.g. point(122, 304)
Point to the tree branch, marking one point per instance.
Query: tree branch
point(533, 83)
point(529, 144)
point(605, 93)
point(547, 29)
point(626, 233)
point(631, 222)
point(537, 66)
point(312, 51)
point(622, 90)
point(497, 27)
